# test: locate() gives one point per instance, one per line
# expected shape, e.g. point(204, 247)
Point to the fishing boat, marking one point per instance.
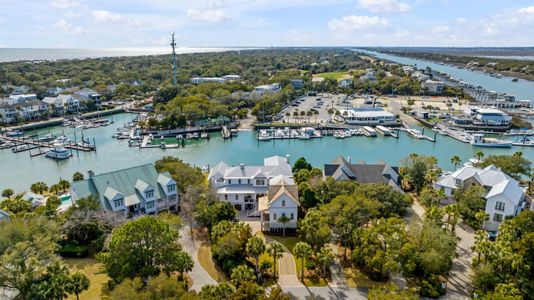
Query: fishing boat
point(195, 135)
point(21, 148)
point(478, 140)
point(524, 143)
point(58, 151)
point(14, 133)
point(204, 135)
point(47, 138)
point(383, 130)
point(62, 139)
point(369, 131)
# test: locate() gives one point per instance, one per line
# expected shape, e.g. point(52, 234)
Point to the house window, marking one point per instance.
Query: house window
point(497, 217)
point(171, 188)
point(239, 181)
point(236, 197)
point(229, 181)
point(248, 181)
point(283, 203)
point(292, 216)
point(225, 197)
point(275, 217)
point(119, 203)
point(499, 206)
point(260, 182)
point(149, 194)
point(150, 205)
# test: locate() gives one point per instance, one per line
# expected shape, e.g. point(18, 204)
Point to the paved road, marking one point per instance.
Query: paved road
point(198, 274)
point(336, 269)
point(334, 293)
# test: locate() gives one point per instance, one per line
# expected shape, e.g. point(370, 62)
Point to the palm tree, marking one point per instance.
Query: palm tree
point(309, 113)
point(325, 257)
point(455, 160)
point(283, 219)
point(479, 155)
point(302, 114)
point(276, 250)
point(295, 115)
point(78, 283)
point(303, 251)
point(39, 187)
point(288, 114)
point(453, 213)
point(77, 176)
point(315, 113)
point(7, 193)
point(255, 248)
point(241, 274)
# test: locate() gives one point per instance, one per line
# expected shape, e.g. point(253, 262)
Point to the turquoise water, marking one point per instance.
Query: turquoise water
point(522, 89)
point(18, 171)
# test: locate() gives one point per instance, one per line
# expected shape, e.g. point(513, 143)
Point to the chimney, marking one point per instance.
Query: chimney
point(91, 174)
point(241, 166)
point(287, 158)
point(348, 159)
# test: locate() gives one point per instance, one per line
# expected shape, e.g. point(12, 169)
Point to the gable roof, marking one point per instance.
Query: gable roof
point(509, 190)
point(362, 172)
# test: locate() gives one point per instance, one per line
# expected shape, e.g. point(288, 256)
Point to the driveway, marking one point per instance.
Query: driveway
point(334, 293)
point(287, 269)
point(198, 274)
point(459, 284)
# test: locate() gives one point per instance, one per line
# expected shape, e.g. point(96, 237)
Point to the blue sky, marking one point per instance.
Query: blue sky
point(142, 23)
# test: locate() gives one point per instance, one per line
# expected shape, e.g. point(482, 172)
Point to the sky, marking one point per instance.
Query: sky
point(264, 23)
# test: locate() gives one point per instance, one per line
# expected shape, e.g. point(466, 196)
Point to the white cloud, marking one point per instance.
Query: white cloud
point(208, 15)
point(384, 6)
point(68, 28)
point(440, 29)
point(357, 23)
point(295, 36)
point(104, 16)
point(67, 4)
point(527, 10)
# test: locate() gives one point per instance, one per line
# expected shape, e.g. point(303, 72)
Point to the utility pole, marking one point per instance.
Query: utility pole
point(173, 45)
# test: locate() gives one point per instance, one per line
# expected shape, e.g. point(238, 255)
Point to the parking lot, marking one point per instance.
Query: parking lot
point(320, 103)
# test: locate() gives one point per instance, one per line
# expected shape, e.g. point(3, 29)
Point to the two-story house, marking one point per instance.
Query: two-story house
point(133, 191)
point(243, 185)
point(89, 95)
point(504, 198)
point(281, 201)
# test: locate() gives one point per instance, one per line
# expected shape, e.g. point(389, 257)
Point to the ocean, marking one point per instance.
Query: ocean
point(51, 54)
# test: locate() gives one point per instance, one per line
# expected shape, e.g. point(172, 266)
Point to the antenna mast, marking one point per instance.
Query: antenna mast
point(173, 45)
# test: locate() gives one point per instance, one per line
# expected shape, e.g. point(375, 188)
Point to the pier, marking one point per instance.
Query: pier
point(31, 144)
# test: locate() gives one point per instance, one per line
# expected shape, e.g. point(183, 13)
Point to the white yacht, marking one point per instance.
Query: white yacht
point(58, 151)
point(369, 131)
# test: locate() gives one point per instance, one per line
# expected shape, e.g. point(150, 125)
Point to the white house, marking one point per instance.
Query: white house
point(281, 201)
point(137, 190)
point(267, 88)
point(432, 86)
point(505, 197)
point(243, 185)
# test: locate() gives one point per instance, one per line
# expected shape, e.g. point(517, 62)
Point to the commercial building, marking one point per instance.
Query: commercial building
point(133, 191)
point(368, 116)
point(267, 88)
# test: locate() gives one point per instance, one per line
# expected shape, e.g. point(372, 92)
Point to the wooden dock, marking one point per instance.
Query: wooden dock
point(33, 144)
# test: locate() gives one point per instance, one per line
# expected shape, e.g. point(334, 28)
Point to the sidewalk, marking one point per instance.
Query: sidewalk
point(198, 274)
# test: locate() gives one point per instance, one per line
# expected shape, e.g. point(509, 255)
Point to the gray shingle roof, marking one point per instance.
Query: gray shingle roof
point(362, 172)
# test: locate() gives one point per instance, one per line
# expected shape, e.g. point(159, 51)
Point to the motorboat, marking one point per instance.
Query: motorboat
point(524, 143)
point(383, 130)
point(14, 133)
point(478, 140)
point(58, 151)
point(47, 138)
point(369, 131)
point(204, 135)
point(62, 139)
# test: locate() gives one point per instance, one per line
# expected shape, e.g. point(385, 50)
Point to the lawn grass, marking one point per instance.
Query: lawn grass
point(332, 75)
point(356, 279)
point(92, 269)
point(206, 261)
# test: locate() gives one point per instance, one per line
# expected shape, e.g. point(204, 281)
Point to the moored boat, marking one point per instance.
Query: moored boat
point(478, 140)
point(58, 151)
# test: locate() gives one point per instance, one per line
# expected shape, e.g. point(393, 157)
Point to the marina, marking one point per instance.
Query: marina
point(115, 154)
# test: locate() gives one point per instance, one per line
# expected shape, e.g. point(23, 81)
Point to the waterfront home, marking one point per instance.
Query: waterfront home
point(368, 116)
point(243, 185)
point(18, 99)
point(281, 201)
point(4, 215)
point(504, 198)
point(381, 172)
point(408, 70)
point(266, 89)
point(26, 110)
point(8, 113)
point(53, 92)
point(420, 76)
point(133, 191)
point(433, 87)
point(88, 95)
point(62, 103)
